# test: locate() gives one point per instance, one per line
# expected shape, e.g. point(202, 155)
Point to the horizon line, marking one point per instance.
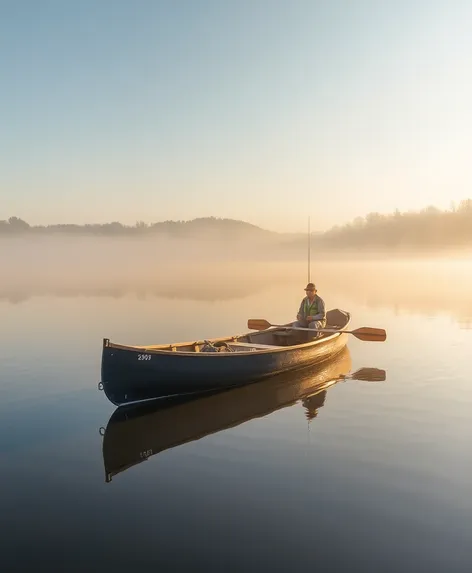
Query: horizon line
point(454, 208)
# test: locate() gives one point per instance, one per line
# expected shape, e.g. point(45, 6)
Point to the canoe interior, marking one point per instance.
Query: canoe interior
point(271, 339)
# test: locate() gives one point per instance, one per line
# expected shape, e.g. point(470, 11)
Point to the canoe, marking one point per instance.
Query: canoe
point(135, 434)
point(133, 374)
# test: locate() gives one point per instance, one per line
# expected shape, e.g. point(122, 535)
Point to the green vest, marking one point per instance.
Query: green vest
point(311, 309)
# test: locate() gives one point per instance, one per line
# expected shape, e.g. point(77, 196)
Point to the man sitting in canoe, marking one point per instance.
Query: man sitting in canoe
point(312, 312)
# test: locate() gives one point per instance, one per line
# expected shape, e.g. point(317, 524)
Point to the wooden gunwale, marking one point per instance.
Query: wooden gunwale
point(167, 348)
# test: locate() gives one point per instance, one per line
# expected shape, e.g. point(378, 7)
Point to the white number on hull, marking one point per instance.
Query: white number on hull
point(144, 357)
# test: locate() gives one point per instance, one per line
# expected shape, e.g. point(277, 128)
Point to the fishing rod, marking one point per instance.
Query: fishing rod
point(309, 251)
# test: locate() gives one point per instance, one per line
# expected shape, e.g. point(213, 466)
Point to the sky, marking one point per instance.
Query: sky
point(268, 111)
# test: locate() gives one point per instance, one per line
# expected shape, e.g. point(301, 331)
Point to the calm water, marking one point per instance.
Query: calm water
point(364, 476)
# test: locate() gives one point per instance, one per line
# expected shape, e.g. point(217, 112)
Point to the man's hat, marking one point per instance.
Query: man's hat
point(310, 286)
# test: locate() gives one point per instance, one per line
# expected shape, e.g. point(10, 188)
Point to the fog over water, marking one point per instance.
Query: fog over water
point(199, 269)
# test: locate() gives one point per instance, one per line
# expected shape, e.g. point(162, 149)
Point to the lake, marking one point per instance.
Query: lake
point(357, 475)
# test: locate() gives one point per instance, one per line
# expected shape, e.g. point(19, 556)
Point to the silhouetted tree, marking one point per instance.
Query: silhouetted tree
point(17, 224)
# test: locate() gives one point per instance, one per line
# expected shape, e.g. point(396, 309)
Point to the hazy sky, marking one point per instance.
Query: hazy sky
point(264, 110)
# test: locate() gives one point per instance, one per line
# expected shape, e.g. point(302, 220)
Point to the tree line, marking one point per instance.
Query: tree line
point(17, 226)
point(427, 228)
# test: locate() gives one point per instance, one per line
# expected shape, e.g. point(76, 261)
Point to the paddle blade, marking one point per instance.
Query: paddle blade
point(369, 334)
point(258, 324)
point(369, 375)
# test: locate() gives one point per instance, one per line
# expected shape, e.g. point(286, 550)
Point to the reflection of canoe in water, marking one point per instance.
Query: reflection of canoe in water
point(136, 433)
point(133, 374)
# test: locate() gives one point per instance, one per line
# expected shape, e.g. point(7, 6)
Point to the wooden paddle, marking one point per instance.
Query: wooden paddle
point(366, 333)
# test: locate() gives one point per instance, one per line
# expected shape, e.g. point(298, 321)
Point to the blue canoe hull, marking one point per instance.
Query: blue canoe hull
point(136, 374)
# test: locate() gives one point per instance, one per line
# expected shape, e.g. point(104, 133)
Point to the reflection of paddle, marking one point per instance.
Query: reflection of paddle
point(365, 333)
point(367, 375)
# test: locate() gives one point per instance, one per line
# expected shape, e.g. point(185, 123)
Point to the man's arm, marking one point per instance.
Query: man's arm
point(300, 310)
point(321, 310)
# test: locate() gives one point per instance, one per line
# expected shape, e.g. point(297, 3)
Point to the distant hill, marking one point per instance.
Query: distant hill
point(427, 229)
point(200, 227)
